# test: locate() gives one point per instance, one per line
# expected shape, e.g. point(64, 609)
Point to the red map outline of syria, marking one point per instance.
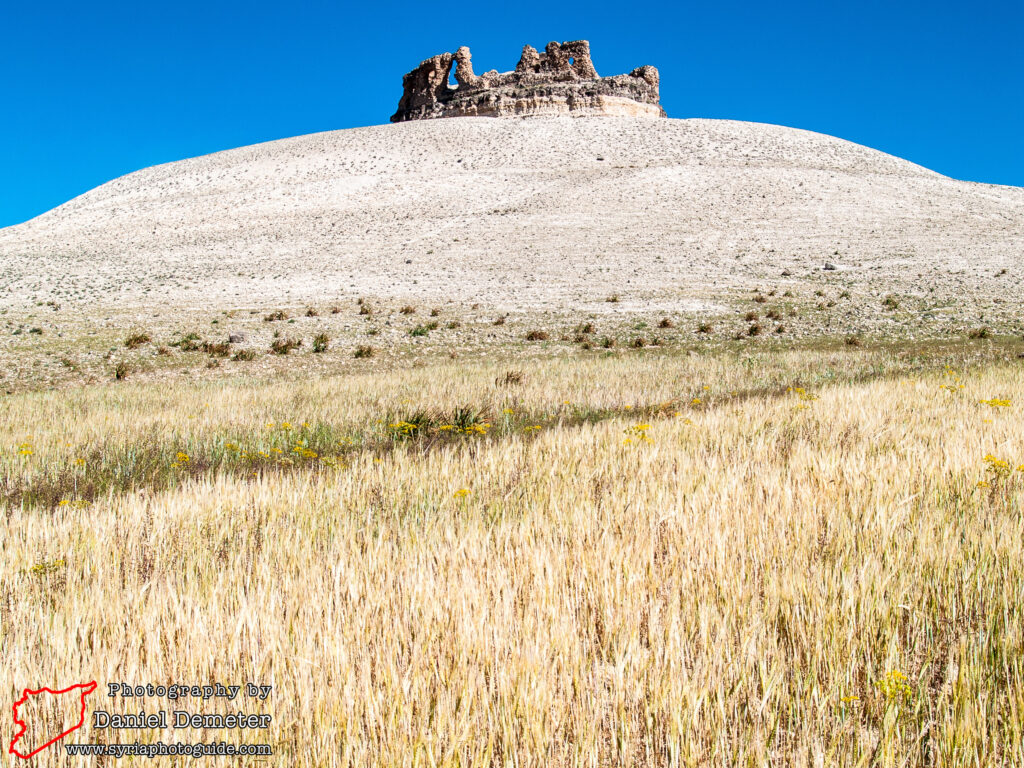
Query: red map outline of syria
point(86, 688)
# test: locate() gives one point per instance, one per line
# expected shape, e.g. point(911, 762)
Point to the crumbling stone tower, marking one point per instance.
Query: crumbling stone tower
point(561, 80)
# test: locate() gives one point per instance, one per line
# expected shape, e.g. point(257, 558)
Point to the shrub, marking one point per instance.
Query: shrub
point(639, 343)
point(705, 327)
point(284, 346)
point(218, 349)
point(890, 302)
point(613, 299)
point(435, 312)
point(408, 309)
point(607, 342)
point(666, 323)
point(759, 299)
point(364, 308)
point(585, 328)
point(750, 317)
point(363, 350)
point(121, 371)
point(321, 342)
point(453, 324)
point(187, 343)
point(853, 341)
point(510, 378)
point(275, 316)
point(754, 330)
point(335, 310)
point(979, 333)
point(537, 336)
point(499, 321)
point(244, 355)
point(311, 312)
point(136, 340)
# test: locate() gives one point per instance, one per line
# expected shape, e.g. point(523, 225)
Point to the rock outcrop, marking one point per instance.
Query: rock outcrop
point(561, 80)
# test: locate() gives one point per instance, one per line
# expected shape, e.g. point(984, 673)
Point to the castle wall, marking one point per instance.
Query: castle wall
point(561, 80)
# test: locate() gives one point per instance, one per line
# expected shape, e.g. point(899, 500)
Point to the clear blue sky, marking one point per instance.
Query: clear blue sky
point(90, 91)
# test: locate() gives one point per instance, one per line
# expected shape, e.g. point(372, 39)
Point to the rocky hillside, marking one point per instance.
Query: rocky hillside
point(547, 212)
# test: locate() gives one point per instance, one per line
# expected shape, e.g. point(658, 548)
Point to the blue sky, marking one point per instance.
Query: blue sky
point(90, 91)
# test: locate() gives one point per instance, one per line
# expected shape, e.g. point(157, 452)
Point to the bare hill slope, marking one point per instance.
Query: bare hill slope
point(552, 212)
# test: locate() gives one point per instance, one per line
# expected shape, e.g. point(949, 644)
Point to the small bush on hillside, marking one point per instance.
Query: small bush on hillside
point(136, 340)
point(284, 346)
point(216, 349)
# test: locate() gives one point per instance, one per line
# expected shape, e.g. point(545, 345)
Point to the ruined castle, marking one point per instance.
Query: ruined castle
point(562, 80)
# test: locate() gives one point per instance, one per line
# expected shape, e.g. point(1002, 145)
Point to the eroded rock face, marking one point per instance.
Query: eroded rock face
point(561, 80)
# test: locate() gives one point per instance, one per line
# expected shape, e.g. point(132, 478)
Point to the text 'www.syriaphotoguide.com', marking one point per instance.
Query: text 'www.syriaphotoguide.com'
point(174, 749)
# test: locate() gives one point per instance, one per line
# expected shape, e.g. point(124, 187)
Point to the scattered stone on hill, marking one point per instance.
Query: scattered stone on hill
point(561, 80)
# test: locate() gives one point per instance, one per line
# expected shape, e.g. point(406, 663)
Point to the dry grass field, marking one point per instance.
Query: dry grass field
point(640, 557)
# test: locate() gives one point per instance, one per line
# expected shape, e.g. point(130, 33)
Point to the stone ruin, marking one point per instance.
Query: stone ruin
point(560, 81)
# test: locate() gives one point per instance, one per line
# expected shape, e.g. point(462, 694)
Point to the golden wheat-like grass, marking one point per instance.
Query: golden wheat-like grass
point(732, 579)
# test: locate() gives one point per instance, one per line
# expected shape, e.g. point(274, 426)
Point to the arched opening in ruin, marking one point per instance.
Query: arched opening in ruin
point(571, 61)
point(452, 82)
